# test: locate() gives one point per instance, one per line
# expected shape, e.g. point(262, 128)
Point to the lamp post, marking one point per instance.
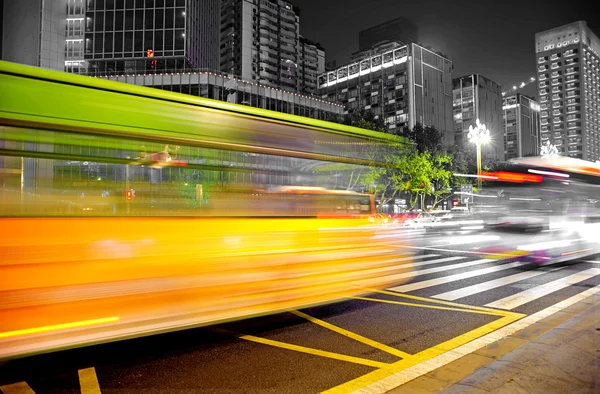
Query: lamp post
point(478, 135)
point(548, 150)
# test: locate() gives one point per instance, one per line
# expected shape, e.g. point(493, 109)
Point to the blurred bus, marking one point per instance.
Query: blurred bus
point(127, 211)
point(554, 200)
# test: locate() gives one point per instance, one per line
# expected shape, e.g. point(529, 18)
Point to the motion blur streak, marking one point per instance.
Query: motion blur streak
point(172, 211)
point(58, 327)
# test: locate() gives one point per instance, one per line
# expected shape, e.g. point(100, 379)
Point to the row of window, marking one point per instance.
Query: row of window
point(570, 52)
point(130, 4)
point(136, 20)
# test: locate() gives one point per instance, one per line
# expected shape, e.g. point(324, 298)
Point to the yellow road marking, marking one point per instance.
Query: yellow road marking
point(308, 350)
point(36, 330)
point(427, 354)
point(17, 388)
point(88, 381)
point(446, 308)
point(356, 337)
point(452, 304)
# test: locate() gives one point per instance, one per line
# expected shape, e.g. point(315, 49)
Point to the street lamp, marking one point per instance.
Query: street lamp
point(478, 135)
point(548, 150)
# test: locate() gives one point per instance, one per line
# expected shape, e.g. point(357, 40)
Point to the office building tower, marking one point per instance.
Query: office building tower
point(404, 86)
point(476, 97)
point(399, 29)
point(147, 36)
point(311, 63)
point(36, 32)
point(568, 64)
point(260, 42)
point(521, 126)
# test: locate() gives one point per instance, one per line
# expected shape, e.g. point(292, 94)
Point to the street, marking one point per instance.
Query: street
point(457, 294)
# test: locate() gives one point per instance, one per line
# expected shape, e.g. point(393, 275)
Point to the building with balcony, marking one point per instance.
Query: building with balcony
point(476, 97)
point(521, 115)
point(404, 86)
point(311, 63)
point(568, 69)
point(261, 42)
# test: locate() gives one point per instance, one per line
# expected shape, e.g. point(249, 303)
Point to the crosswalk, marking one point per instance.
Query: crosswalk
point(451, 278)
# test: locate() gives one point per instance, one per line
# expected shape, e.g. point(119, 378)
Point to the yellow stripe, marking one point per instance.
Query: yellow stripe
point(308, 350)
point(63, 326)
point(445, 308)
point(17, 388)
point(452, 304)
point(356, 337)
point(88, 381)
point(422, 356)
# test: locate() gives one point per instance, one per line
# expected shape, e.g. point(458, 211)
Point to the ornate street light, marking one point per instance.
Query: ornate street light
point(479, 135)
point(548, 150)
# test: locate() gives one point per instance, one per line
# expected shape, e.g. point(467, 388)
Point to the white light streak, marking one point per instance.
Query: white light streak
point(550, 173)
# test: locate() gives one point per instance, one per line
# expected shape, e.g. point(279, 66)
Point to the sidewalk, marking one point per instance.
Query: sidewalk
point(559, 354)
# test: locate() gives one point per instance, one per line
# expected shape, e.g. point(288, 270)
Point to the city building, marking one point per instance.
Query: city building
point(476, 97)
point(158, 43)
point(311, 62)
point(568, 70)
point(399, 29)
point(521, 116)
point(143, 36)
point(36, 32)
point(261, 42)
point(219, 86)
point(404, 86)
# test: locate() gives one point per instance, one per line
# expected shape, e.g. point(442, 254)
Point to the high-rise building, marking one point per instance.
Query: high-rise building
point(476, 97)
point(404, 86)
point(35, 32)
point(146, 36)
point(568, 64)
point(521, 126)
point(261, 42)
point(311, 63)
point(399, 29)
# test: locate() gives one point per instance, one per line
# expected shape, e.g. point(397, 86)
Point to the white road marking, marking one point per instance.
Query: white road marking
point(437, 269)
point(532, 294)
point(443, 260)
point(451, 278)
point(492, 284)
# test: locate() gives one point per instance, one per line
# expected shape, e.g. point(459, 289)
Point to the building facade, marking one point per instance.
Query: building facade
point(218, 86)
point(36, 32)
point(476, 97)
point(404, 86)
point(261, 42)
point(399, 29)
point(311, 63)
point(568, 70)
point(521, 116)
point(144, 36)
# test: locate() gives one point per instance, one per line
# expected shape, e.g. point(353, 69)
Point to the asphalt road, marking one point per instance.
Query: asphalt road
point(320, 348)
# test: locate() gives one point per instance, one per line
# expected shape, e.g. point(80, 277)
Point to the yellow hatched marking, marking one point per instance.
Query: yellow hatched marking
point(317, 352)
point(445, 308)
point(352, 335)
point(55, 327)
point(88, 381)
point(17, 388)
point(372, 377)
point(465, 307)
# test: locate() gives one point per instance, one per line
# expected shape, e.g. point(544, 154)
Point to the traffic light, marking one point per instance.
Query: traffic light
point(129, 194)
point(454, 203)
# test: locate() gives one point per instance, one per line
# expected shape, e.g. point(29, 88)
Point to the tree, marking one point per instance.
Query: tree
point(364, 120)
point(426, 138)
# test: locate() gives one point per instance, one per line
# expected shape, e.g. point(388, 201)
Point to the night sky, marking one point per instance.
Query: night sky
point(491, 38)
